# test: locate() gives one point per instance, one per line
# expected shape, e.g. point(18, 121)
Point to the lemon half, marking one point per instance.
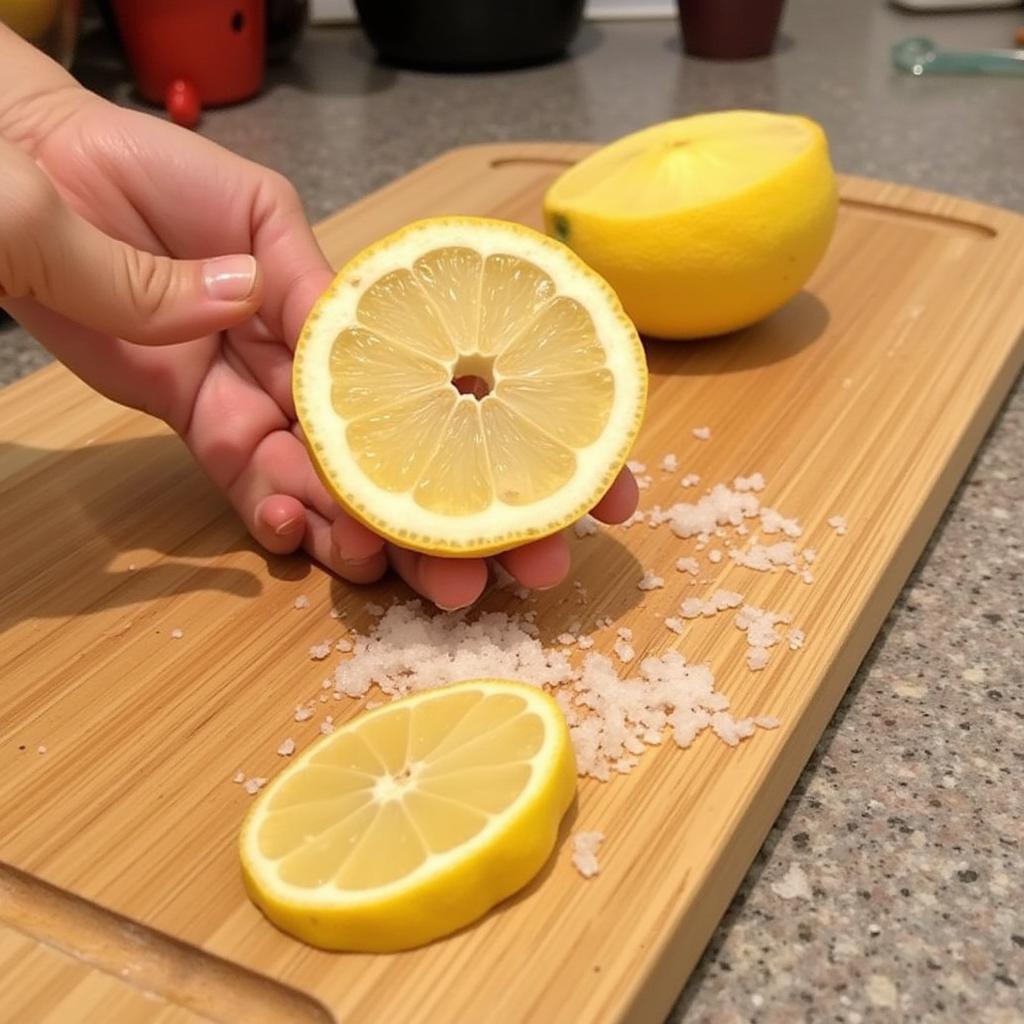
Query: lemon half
point(412, 820)
point(704, 224)
point(559, 375)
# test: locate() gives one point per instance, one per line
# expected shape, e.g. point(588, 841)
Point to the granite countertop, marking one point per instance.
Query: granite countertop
point(906, 824)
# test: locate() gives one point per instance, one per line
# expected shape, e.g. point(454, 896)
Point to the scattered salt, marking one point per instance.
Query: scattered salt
point(674, 624)
point(636, 517)
point(566, 639)
point(669, 463)
point(41, 749)
point(774, 522)
point(807, 576)
point(765, 557)
point(624, 651)
point(766, 722)
point(690, 480)
point(287, 748)
point(372, 608)
point(808, 555)
point(585, 643)
point(303, 714)
point(689, 565)
point(624, 633)
point(336, 613)
point(757, 658)
point(754, 482)
point(344, 646)
point(327, 726)
point(839, 524)
point(650, 581)
point(796, 639)
point(691, 608)
point(584, 852)
point(254, 785)
point(644, 482)
point(301, 601)
point(636, 467)
point(715, 556)
point(177, 634)
point(238, 778)
point(793, 885)
point(585, 527)
point(320, 651)
point(702, 433)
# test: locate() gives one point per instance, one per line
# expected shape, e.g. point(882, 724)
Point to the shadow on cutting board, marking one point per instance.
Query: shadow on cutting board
point(75, 518)
point(802, 322)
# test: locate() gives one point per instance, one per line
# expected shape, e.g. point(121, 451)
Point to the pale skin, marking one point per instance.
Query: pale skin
point(174, 277)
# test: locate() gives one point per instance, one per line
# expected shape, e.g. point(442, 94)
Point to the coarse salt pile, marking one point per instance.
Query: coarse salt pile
point(650, 581)
point(584, 852)
point(611, 719)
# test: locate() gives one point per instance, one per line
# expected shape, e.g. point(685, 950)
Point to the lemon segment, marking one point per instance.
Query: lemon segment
point(413, 820)
point(382, 360)
point(704, 224)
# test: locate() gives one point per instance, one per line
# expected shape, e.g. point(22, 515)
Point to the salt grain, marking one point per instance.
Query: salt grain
point(636, 467)
point(796, 639)
point(669, 463)
point(793, 885)
point(287, 748)
point(303, 714)
point(584, 852)
point(757, 658)
point(41, 749)
point(636, 517)
point(344, 646)
point(372, 608)
point(301, 601)
point(691, 608)
point(715, 556)
point(585, 643)
point(839, 524)
point(754, 482)
point(702, 433)
point(675, 625)
point(566, 639)
point(644, 482)
point(326, 726)
point(689, 565)
point(624, 633)
point(624, 651)
point(177, 634)
point(650, 581)
point(775, 522)
point(585, 527)
point(320, 651)
point(690, 480)
point(238, 778)
point(254, 785)
point(808, 555)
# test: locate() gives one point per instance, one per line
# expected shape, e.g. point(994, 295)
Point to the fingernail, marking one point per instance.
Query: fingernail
point(230, 278)
point(289, 525)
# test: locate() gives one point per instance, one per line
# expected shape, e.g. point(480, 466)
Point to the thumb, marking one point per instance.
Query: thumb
point(52, 255)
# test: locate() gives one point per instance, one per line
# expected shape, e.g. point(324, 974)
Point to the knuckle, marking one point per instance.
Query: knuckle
point(147, 278)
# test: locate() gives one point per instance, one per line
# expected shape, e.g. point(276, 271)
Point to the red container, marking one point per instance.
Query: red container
point(187, 54)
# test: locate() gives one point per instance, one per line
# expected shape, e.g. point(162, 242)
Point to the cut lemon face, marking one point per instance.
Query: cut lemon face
point(412, 820)
point(467, 385)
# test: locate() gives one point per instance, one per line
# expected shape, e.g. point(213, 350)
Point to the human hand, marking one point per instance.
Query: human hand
point(174, 277)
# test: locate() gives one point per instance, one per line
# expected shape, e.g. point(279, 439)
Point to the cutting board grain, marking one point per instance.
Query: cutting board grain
point(865, 397)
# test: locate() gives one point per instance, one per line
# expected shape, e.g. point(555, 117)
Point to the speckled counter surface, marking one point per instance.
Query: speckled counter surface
point(908, 824)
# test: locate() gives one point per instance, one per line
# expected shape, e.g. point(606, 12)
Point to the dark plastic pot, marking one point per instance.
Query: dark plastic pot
point(729, 29)
point(469, 34)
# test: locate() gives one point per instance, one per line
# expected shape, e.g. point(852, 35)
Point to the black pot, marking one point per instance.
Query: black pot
point(469, 34)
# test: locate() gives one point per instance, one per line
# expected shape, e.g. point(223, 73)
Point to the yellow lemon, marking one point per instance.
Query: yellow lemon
point(705, 224)
point(412, 820)
point(466, 385)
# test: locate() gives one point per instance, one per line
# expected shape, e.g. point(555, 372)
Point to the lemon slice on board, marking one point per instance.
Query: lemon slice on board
point(412, 820)
point(704, 224)
point(466, 385)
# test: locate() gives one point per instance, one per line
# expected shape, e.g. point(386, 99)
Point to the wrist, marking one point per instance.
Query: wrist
point(36, 93)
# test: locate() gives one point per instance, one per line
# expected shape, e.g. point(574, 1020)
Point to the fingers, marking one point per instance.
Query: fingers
point(540, 565)
point(451, 583)
point(620, 500)
point(279, 523)
point(357, 553)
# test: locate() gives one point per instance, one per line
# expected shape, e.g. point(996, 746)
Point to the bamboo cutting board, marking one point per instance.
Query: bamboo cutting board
point(865, 397)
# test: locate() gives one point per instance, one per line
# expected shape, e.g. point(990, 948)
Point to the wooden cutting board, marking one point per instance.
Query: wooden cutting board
point(865, 397)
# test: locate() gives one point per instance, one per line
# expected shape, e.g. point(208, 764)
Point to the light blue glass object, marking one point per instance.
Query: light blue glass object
point(922, 57)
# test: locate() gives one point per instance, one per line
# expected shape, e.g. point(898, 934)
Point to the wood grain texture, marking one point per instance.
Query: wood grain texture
point(866, 397)
point(42, 985)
